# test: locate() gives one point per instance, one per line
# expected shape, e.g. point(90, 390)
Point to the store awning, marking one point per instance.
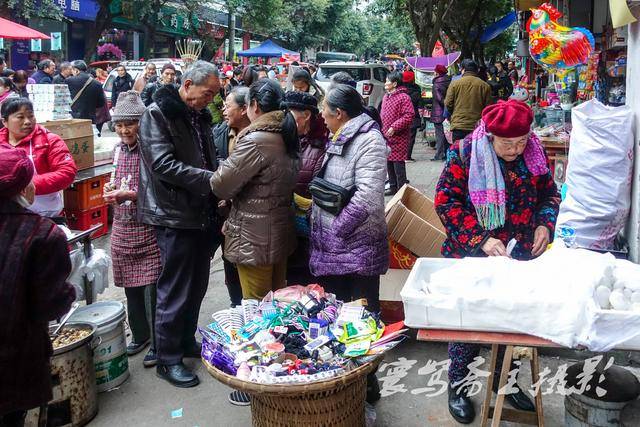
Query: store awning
point(268, 49)
point(498, 27)
point(12, 30)
point(427, 63)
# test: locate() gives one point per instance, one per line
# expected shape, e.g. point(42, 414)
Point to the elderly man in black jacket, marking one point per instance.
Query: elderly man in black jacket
point(86, 93)
point(178, 159)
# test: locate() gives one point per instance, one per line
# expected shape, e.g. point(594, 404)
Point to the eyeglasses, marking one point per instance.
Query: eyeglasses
point(519, 144)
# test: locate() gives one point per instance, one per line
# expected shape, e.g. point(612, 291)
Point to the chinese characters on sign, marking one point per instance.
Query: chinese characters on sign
point(437, 381)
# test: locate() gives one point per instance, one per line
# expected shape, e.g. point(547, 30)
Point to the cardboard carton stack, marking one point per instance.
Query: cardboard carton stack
point(78, 135)
point(50, 102)
point(414, 230)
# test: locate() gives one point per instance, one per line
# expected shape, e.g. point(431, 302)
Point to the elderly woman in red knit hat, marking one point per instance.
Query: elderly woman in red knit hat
point(496, 186)
point(33, 290)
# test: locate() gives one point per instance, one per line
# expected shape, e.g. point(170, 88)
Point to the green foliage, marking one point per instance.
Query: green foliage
point(33, 9)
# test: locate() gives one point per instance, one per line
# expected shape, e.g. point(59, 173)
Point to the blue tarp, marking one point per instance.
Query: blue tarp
point(498, 27)
point(268, 49)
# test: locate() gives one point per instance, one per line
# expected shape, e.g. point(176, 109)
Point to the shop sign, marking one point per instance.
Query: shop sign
point(86, 10)
point(169, 19)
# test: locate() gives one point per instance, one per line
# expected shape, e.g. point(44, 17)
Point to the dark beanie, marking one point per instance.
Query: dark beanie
point(301, 101)
point(16, 172)
point(167, 67)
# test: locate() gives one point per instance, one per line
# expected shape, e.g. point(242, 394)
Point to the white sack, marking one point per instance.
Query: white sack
point(599, 174)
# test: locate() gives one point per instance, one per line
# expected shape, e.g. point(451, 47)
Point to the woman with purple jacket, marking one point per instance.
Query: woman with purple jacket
point(349, 251)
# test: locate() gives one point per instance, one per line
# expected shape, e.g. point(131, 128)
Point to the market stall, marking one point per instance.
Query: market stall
point(301, 354)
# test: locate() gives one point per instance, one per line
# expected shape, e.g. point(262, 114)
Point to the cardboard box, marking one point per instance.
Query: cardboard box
point(400, 264)
point(78, 135)
point(413, 223)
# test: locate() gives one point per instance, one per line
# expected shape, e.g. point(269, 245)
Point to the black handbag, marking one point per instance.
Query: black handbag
point(329, 197)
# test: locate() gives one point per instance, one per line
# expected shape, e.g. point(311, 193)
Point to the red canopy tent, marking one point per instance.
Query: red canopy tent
point(11, 30)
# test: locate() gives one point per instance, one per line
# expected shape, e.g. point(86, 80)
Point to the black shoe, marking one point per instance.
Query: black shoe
point(390, 192)
point(373, 389)
point(520, 401)
point(178, 375)
point(239, 398)
point(461, 406)
point(150, 359)
point(135, 348)
point(193, 351)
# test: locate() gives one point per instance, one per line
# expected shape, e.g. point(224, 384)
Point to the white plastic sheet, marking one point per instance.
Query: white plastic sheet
point(599, 174)
point(550, 297)
point(96, 269)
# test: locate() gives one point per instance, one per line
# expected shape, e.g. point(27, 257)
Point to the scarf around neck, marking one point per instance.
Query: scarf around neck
point(486, 183)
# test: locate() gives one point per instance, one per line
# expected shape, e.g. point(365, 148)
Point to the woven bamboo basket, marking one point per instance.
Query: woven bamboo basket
point(334, 402)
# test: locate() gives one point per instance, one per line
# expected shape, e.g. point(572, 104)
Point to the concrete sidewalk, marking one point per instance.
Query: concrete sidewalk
point(145, 400)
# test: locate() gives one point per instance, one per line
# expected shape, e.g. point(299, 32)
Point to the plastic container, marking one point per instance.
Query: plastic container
point(417, 311)
point(84, 220)
point(110, 357)
point(85, 195)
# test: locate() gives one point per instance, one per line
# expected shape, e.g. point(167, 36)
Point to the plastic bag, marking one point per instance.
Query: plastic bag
point(599, 174)
point(96, 269)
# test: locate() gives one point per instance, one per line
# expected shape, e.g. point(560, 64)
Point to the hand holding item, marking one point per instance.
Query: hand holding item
point(390, 132)
point(494, 247)
point(117, 197)
point(540, 240)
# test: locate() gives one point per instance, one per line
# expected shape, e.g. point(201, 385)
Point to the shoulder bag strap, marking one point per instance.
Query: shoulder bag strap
point(75, 98)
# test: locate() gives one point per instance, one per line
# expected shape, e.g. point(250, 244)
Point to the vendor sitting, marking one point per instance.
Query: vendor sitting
point(495, 187)
point(55, 169)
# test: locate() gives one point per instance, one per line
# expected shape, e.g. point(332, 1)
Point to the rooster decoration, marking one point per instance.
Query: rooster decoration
point(554, 46)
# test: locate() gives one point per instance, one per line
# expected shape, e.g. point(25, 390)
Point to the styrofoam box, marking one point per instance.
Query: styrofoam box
point(607, 319)
point(419, 315)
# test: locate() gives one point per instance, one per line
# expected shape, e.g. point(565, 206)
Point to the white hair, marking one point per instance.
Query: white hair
point(199, 72)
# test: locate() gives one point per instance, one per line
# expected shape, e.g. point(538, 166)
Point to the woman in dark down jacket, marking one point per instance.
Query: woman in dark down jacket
point(314, 138)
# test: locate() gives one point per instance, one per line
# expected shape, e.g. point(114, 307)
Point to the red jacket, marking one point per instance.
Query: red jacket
point(397, 112)
point(55, 168)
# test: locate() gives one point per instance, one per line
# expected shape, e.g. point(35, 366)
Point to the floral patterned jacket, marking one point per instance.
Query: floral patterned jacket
point(531, 201)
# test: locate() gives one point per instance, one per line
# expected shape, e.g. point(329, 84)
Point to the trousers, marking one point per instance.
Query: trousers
point(397, 172)
point(186, 257)
point(350, 287)
point(141, 312)
point(258, 281)
point(441, 142)
point(462, 354)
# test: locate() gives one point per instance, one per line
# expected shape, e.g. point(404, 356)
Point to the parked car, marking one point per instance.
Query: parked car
point(370, 78)
point(335, 56)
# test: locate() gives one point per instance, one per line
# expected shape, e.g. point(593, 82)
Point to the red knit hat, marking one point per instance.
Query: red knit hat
point(441, 69)
point(408, 76)
point(16, 171)
point(508, 119)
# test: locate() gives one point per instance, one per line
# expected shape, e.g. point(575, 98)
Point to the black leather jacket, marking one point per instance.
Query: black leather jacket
point(174, 189)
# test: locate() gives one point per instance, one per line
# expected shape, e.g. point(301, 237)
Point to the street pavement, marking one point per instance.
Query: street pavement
point(145, 400)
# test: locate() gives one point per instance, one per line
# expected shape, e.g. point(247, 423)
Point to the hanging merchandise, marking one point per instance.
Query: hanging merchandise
point(295, 335)
point(36, 45)
point(554, 46)
point(56, 41)
point(1, 43)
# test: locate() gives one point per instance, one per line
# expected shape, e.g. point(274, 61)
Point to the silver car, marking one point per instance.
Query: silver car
point(370, 78)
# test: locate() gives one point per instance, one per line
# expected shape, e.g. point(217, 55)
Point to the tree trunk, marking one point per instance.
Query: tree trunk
point(149, 37)
point(232, 34)
point(426, 18)
point(103, 21)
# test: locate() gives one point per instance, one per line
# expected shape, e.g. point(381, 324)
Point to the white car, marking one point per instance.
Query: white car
point(370, 78)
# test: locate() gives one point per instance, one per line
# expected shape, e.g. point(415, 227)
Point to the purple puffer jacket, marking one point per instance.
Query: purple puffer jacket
point(355, 241)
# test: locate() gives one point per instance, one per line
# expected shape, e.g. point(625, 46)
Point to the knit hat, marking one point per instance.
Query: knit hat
point(128, 107)
point(16, 172)
point(167, 67)
point(408, 76)
point(508, 119)
point(441, 69)
point(301, 101)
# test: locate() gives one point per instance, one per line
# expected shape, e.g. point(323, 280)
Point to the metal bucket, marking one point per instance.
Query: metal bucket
point(110, 356)
point(583, 411)
point(75, 396)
